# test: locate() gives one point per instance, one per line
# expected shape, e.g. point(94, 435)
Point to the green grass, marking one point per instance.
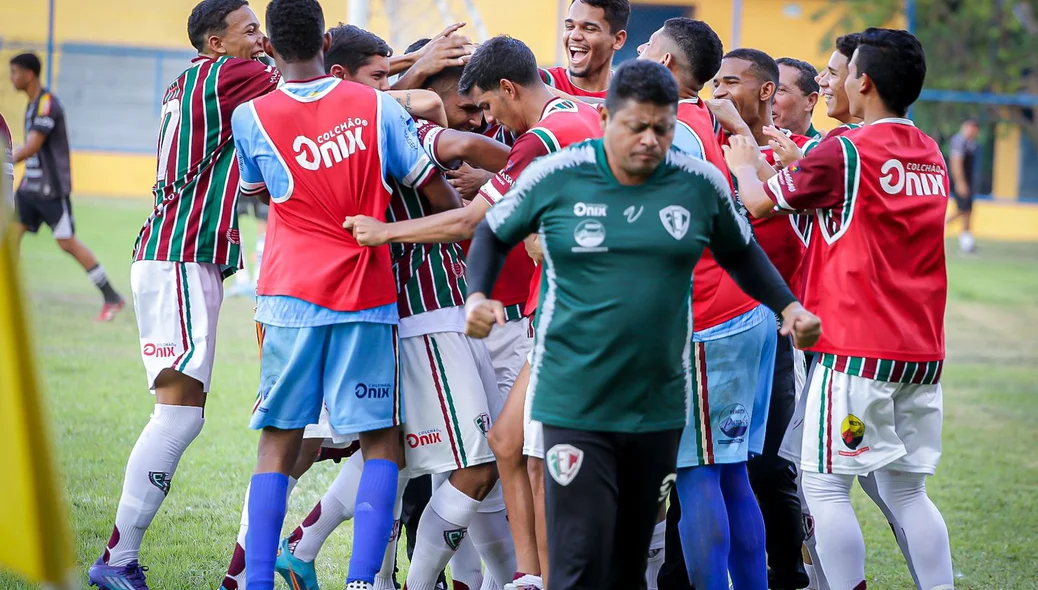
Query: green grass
point(98, 402)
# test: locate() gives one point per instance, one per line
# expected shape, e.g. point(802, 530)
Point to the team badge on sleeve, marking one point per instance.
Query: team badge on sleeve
point(564, 463)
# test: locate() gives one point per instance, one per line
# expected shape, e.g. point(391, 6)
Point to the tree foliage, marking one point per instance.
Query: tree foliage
point(971, 45)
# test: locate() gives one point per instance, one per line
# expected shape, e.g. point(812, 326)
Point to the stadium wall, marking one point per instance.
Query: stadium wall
point(109, 61)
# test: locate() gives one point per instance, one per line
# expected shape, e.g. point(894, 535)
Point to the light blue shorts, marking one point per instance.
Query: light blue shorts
point(728, 412)
point(352, 368)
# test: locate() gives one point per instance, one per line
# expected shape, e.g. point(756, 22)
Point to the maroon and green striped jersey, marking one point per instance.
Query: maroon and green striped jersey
point(196, 184)
point(428, 276)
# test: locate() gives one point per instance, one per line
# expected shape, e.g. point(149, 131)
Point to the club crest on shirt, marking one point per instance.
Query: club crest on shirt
point(564, 462)
point(675, 220)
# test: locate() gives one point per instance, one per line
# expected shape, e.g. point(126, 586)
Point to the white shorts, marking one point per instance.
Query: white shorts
point(850, 425)
point(446, 378)
point(323, 429)
point(177, 306)
point(799, 372)
point(508, 346)
point(533, 431)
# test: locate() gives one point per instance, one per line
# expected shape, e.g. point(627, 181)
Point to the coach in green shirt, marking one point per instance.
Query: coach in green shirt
point(622, 221)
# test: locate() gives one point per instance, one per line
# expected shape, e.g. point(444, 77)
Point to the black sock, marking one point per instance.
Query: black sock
point(97, 274)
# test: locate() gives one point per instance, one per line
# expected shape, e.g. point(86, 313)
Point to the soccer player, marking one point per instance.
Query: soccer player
point(322, 149)
point(594, 31)
point(189, 243)
point(622, 221)
point(831, 82)
point(963, 159)
point(442, 368)
point(44, 193)
point(748, 78)
point(796, 97)
point(502, 78)
point(735, 350)
point(873, 402)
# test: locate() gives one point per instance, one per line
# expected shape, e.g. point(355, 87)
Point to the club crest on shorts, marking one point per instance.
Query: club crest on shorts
point(675, 220)
point(853, 430)
point(667, 486)
point(161, 480)
point(454, 538)
point(564, 463)
point(482, 422)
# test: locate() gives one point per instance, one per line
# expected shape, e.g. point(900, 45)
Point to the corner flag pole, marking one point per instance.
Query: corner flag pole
point(36, 542)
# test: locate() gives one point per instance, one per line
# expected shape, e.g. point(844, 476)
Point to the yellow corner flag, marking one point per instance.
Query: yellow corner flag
point(35, 541)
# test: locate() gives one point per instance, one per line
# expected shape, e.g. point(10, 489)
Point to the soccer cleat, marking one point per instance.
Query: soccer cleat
point(526, 582)
point(110, 310)
point(298, 574)
point(126, 577)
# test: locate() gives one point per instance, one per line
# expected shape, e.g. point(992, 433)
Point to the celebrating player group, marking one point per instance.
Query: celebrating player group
point(625, 336)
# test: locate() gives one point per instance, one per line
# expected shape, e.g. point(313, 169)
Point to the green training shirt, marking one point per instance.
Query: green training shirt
point(614, 332)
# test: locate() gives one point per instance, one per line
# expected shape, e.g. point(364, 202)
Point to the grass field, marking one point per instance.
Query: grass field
point(98, 402)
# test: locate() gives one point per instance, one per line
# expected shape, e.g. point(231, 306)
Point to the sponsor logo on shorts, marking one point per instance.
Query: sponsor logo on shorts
point(161, 480)
point(424, 438)
point(675, 220)
point(454, 538)
point(378, 391)
point(483, 423)
point(853, 432)
point(564, 462)
point(667, 486)
point(590, 210)
point(234, 236)
point(734, 423)
point(160, 350)
point(589, 236)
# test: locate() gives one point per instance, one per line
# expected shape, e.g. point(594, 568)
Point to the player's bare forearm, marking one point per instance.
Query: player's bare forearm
point(441, 195)
point(424, 104)
point(478, 150)
point(765, 170)
point(958, 170)
point(399, 63)
point(751, 192)
point(441, 228)
point(33, 143)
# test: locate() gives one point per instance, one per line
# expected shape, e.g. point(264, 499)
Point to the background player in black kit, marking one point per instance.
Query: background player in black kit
point(43, 196)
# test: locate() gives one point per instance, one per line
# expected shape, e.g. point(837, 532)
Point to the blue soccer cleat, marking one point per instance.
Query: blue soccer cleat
point(299, 574)
point(125, 577)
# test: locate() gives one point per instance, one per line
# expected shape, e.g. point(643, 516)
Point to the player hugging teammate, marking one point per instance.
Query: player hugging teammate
point(518, 370)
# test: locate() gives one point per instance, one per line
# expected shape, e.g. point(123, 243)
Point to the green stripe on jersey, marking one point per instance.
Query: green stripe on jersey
point(551, 143)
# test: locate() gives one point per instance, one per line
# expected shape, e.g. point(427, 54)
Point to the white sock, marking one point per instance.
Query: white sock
point(926, 535)
point(149, 473)
point(816, 578)
point(840, 545)
point(657, 554)
point(492, 538)
point(443, 526)
point(236, 570)
point(868, 483)
point(466, 566)
point(385, 579)
point(335, 508)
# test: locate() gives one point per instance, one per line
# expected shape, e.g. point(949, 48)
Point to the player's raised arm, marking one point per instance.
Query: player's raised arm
point(450, 147)
point(422, 104)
